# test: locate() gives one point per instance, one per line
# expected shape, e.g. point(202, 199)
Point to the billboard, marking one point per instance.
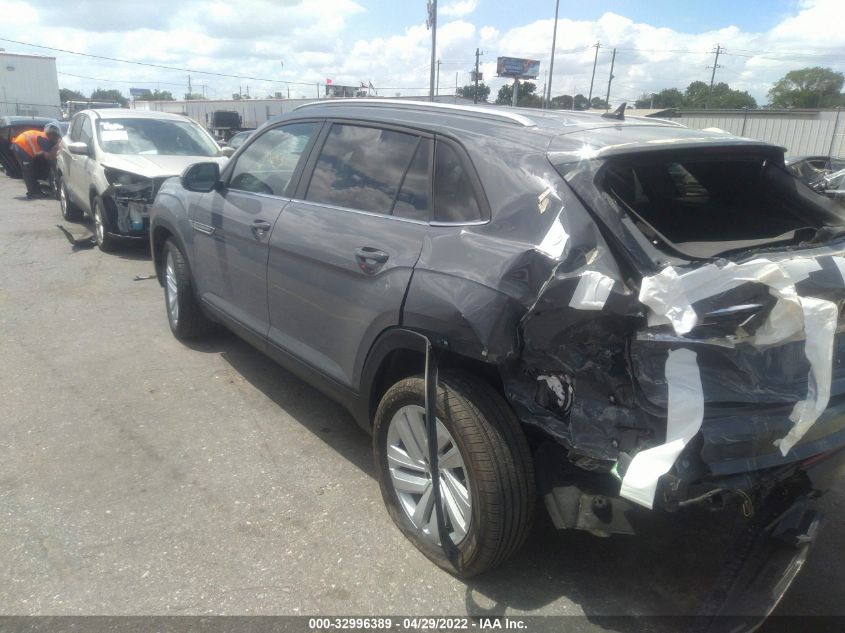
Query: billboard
point(139, 92)
point(517, 67)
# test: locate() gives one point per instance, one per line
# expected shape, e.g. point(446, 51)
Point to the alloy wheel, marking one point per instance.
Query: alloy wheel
point(63, 199)
point(99, 227)
point(410, 475)
point(171, 289)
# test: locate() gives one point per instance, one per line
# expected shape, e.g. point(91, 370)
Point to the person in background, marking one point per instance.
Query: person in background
point(33, 146)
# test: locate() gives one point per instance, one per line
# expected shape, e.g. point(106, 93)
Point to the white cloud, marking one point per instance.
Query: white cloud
point(458, 9)
point(307, 41)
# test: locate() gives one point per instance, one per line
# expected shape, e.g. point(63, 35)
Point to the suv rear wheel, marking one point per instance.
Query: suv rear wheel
point(70, 211)
point(486, 472)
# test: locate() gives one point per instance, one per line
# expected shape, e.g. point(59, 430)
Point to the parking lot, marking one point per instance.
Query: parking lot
point(143, 476)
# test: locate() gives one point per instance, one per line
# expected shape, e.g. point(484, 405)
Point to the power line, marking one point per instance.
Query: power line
point(151, 65)
point(119, 81)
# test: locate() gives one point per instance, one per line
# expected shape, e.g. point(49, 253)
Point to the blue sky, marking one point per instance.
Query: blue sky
point(692, 16)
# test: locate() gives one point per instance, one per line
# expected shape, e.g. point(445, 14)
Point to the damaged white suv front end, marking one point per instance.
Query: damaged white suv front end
point(114, 162)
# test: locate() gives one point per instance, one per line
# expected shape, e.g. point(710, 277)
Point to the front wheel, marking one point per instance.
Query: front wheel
point(183, 310)
point(105, 240)
point(486, 472)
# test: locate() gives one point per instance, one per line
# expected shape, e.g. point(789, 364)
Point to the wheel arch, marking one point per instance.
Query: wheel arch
point(399, 353)
point(160, 232)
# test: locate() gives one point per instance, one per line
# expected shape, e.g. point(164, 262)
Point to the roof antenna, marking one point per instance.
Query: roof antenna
point(618, 113)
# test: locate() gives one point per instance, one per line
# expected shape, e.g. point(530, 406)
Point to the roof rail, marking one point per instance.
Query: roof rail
point(481, 111)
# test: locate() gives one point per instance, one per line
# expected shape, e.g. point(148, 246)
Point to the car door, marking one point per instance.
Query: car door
point(74, 164)
point(232, 224)
point(343, 251)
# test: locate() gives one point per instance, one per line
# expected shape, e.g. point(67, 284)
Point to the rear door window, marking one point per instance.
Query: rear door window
point(267, 165)
point(363, 168)
point(413, 199)
point(454, 195)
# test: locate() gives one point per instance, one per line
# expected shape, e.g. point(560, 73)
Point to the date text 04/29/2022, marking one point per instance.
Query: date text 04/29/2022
point(415, 624)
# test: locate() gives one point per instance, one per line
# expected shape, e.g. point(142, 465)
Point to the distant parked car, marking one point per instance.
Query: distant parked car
point(832, 185)
point(10, 127)
point(238, 139)
point(113, 161)
point(809, 169)
point(613, 305)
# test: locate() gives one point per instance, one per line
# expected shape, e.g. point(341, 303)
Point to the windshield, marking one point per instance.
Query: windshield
point(154, 136)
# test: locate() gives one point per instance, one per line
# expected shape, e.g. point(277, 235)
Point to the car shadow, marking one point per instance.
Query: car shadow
point(316, 413)
point(668, 569)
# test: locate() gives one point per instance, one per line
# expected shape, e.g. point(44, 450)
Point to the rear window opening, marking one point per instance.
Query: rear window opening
point(704, 205)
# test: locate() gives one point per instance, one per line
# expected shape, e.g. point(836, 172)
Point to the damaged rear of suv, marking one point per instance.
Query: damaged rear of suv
point(619, 313)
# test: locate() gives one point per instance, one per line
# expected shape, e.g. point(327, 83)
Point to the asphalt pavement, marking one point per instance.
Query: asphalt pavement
point(141, 476)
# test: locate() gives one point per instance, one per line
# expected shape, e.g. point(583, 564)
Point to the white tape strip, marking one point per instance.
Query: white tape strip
point(683, 420)
point(670, 296)
point(592, 291)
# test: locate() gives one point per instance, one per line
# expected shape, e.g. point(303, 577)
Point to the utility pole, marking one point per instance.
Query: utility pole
point(515, 92)
point(432, 24)
point(718, 50)
point(475, 94)
point(190, 90)
point(437, 89)
point(595, 59)
point(610, 81)
point(547, 97)
point(456, 88)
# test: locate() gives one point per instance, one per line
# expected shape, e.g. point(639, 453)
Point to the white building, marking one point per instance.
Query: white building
point(253, 112)
point(29, 85)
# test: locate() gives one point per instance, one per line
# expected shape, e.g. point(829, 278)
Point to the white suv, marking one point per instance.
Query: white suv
point(113, 161)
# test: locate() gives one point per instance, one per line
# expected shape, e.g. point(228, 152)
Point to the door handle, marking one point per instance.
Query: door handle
point(260, 228)
point(368, 253)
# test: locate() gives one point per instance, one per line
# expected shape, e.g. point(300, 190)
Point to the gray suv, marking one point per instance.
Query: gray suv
point(613, 314)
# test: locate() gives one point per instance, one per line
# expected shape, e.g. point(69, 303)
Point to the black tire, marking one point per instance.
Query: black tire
point(497, 461)
point(70, 211)
point(187, 321)
point(102, 225)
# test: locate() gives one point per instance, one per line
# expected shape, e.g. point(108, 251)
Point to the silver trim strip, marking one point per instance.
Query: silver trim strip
point(485, 111)
point(202, 228)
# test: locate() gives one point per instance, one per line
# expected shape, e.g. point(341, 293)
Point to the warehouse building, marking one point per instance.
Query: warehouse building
point(29, 85)
point(801, 132)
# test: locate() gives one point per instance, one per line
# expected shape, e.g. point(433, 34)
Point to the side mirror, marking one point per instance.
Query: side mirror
point(79, 148)
point(201, 177)
point(227, 151)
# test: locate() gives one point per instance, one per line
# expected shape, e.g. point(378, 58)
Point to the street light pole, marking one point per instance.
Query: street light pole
point(432, 24)
point(592, 79)
point(548, 96)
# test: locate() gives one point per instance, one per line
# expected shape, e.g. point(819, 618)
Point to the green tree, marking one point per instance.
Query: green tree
point(697, 95)
point(194, 96)
point(468, 91)
point(157, 95)
point(527, 95)
point(814, 87)
point(579, 102)
point(666, 98)
point(66, 94)
point(100, 94)
point(561, 102)
point(598, 103)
